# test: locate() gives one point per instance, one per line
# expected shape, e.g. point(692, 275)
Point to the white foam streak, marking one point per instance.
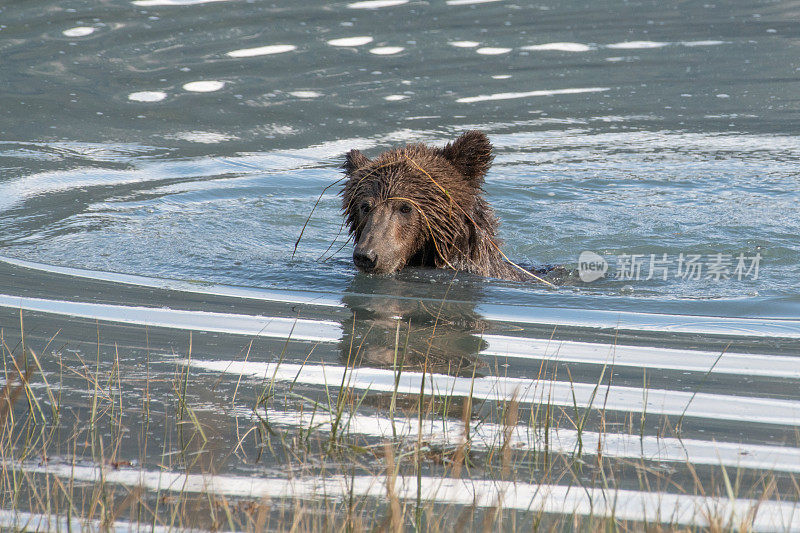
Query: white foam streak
point(305, 94)
point(621, 504)
point(528, 94)
point(153, 3)
point(584, 395)
point(246, 293)
point(79, 31)
point(351, 41)
point(262, 50)
point(203, 86)
point(637, 45)
point(559, 47)
point(147, 96)
point(492, 51)
point(386, 50)
point(146, 170)
point(487, 436)
point(376, 4)
point(469, 2)
point(703, 43)
point(464, 44)
point(630, 321)
point(584, 318)
point(777, 366)
point(253, 325)
point(642, 45)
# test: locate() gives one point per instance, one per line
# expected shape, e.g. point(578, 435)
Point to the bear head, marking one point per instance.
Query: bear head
point(419, 205)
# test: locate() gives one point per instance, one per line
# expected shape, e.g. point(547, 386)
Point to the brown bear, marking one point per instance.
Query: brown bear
point(423, 206)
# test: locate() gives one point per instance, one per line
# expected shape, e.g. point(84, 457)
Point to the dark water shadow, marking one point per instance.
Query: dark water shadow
point(393, 322)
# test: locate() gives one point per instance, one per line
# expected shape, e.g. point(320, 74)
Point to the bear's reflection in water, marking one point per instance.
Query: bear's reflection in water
point(439, 332)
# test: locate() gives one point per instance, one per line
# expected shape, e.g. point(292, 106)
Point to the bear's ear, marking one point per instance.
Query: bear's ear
point(471, 154)
point(354, 160)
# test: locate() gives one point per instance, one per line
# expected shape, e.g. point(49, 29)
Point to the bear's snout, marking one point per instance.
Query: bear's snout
point(365, 259)
point(382, 244)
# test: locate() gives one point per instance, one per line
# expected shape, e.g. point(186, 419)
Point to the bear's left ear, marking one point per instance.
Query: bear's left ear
point(471, 154)
point(354, 160)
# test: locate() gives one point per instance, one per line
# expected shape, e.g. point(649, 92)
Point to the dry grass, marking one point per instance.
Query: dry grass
point(59, 409)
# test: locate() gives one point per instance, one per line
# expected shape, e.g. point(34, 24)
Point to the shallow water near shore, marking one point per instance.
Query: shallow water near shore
point(159, 159)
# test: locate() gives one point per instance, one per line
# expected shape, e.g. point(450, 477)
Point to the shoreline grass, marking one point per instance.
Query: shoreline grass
point(110, 444)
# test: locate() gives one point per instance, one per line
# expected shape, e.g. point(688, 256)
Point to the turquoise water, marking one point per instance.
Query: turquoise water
point(185, 142)
point(687, 146)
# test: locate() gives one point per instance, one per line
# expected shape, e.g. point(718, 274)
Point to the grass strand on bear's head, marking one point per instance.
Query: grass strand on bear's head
point(491, 241)
point(430, 227)
point(299, 237)
point(321, 194)
point(444, 191)
point(328, 249)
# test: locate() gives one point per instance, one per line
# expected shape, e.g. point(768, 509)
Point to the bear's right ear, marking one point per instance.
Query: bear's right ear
point(471, 154)
point(354, 160)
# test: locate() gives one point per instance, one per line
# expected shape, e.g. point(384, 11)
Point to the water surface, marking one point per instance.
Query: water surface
point(158, 159)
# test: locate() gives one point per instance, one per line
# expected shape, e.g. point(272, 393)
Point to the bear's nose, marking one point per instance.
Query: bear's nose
point(365, 260)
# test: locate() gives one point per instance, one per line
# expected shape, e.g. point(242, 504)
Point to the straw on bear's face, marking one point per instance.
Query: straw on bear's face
point(416, 205)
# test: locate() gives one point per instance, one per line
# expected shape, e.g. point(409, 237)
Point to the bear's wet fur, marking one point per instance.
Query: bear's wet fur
point(423, 206)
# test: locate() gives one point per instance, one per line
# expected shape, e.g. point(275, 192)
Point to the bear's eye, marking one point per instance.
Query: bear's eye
point(405, 209)
point(364, 207)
